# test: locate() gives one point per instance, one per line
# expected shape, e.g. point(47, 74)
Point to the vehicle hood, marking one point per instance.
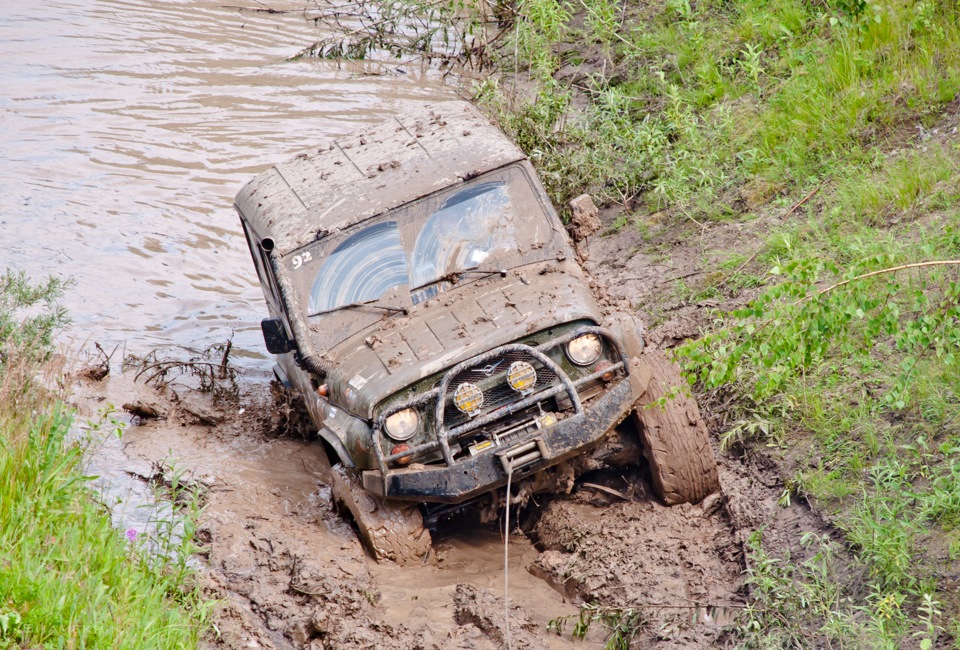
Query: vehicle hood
point(400, 350)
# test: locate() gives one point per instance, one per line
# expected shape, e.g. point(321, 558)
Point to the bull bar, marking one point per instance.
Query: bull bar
point(458, 480)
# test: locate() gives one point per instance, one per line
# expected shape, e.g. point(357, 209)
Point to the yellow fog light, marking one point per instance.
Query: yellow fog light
point(402, 424)
point(547, 420)
point(585, 349)
point(468, 398)
point(521, 376)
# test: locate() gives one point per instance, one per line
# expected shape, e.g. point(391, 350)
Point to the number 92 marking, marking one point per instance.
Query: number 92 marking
point(300, 260)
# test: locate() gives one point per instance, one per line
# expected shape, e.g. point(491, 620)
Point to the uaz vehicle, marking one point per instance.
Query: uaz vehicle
point(426, 302)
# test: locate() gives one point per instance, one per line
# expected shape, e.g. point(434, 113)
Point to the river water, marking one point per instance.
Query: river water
point(126, 128)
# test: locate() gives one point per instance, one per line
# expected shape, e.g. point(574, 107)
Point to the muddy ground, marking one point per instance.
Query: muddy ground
point(291, 573)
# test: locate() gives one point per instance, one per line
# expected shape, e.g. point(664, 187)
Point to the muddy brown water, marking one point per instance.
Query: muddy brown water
point(127, 128)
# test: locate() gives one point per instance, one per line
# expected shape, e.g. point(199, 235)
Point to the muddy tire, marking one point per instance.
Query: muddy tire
point(675, 439)
point(391, 530)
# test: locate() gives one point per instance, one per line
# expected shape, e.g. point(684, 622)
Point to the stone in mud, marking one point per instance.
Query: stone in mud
point(145, 410)
point(584, 221)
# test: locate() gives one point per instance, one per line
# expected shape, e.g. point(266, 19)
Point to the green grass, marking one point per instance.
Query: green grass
point(720, 111)
point(67, 578)
point(698, 98)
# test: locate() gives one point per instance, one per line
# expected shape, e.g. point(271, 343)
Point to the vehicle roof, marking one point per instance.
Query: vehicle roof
point(371, 171)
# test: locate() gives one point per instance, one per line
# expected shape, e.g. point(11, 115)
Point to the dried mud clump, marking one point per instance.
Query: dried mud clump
point(584, 221)
point(668, 563)
point(485, 611)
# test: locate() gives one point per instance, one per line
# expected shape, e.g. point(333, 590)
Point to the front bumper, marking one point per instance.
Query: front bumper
point(469, 477)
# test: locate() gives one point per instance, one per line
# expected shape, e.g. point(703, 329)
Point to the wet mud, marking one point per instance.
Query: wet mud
point(288, 568)
point(290, 571)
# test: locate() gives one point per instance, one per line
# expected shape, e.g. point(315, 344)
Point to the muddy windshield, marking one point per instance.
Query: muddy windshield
point(470, 226)
point(364, 267)
point(490, 223)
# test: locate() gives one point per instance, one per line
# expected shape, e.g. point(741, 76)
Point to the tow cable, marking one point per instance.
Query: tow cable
point(506, 562)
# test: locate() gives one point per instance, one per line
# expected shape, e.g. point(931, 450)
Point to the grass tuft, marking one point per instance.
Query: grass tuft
point(67, 578)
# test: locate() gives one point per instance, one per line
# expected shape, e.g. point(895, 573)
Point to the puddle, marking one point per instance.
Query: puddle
point(122, 485)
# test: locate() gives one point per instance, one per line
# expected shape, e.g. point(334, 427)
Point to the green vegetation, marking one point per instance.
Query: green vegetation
point(621, 625)
point(830, 126)
point(844, 357)
point(689, 101)
point(67, 578)
point(29, 315)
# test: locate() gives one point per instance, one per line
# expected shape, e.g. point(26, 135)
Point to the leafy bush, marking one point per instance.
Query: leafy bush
point(29, 313)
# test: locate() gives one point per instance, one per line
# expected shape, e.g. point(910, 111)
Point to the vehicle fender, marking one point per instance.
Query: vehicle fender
point(334, 441)
point(349, 435)
point(629, 330)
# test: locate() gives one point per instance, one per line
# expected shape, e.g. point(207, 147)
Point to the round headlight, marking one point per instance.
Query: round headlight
point(521, 376)
point(585, 349)
point(402, 424)
point(468, 398)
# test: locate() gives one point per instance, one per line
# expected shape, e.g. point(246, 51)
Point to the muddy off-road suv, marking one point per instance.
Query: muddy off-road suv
point(426, 302)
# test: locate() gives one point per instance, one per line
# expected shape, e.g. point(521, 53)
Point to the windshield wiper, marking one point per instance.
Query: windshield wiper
point(387, 308)
point(502, 272)
point(455, 276)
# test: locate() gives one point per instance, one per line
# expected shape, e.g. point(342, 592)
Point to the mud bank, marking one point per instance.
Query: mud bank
point(289, 570)
point(291, 573)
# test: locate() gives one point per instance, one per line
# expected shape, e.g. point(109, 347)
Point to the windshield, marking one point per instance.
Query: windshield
point(364, 267)
point(496, 219)
point(469, 226)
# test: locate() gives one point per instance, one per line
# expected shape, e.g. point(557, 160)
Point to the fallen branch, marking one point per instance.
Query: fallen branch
point(894, 269)
point(606, 490)
point(739, 268)
point(163, 366)
point(802, 201)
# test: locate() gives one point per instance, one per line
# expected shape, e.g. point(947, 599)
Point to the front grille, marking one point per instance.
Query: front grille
point(491, 377)
point(554, 392)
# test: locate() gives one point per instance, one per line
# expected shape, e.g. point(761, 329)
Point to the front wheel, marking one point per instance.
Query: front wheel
point(390, 530)
point(674, 436)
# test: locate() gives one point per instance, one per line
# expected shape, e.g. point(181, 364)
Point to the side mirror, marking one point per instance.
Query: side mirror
point(275, 336)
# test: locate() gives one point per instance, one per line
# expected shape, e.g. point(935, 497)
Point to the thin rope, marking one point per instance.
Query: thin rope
point(506, 563)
